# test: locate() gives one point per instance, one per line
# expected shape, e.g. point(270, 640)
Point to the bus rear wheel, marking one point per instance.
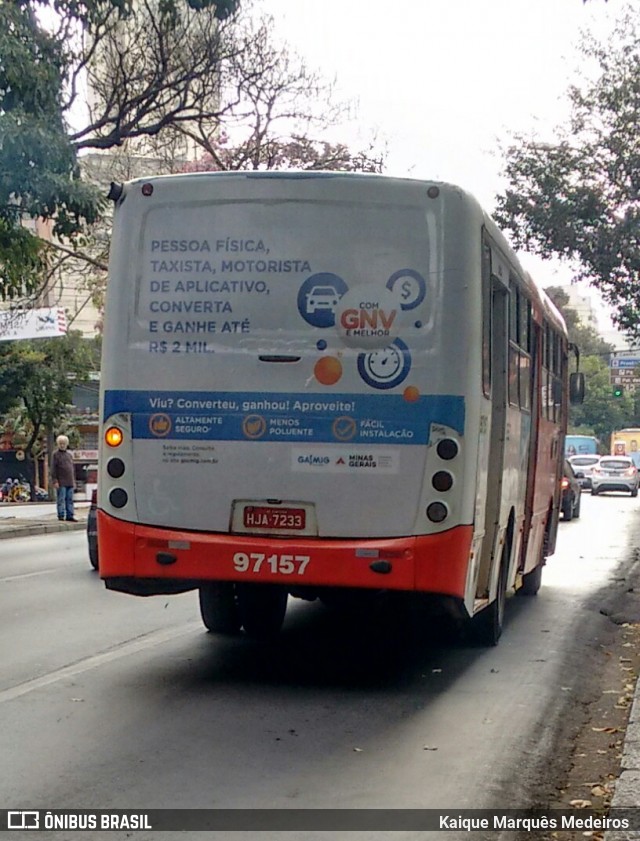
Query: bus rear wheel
point(93, 555)
point(261, 608)
point(219, 608)
point(486, 626)
point(532, 580)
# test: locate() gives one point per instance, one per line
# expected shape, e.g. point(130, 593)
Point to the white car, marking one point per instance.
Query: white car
point(583, 467)
point(615, 473)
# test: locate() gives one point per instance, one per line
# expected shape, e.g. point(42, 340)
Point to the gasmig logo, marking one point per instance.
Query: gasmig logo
point(160, 425)
point(312, 459)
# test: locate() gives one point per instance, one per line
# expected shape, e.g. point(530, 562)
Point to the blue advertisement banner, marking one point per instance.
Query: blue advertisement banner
point(286, 417)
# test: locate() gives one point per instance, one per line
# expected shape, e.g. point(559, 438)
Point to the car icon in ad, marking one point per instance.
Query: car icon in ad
point(322, 298)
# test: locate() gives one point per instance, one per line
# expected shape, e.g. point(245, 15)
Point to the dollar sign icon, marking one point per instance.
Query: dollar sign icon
point(409, 286)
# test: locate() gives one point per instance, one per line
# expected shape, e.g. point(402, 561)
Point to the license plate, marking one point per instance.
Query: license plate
point(267, 517)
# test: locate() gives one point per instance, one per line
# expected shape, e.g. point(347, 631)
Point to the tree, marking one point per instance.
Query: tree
point(44, 373)
point(600, 413)
point(41, 70)
point(274, 112)
point(578, 198)
point(296, 153)
point(271, 111)
point(586, 337)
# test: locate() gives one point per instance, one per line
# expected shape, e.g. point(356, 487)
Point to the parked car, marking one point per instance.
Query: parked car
point(615, 473)
point(571, 492)
point(92, 530)
point(583, 466)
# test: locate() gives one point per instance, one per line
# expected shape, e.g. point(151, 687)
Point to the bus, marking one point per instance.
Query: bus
point(580, 445)
point(625, 443)
point(320, 385)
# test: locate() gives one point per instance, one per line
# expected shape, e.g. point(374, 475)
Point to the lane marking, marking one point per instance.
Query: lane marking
point(124, 650)
point(28, 575)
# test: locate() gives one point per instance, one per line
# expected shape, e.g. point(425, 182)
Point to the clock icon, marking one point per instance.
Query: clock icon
point(387, 367)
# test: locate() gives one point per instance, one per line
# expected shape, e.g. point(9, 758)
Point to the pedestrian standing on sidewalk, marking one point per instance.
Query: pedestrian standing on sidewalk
point(63, 476)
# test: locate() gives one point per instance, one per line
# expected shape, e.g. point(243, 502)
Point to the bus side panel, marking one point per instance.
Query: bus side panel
point(431, 563)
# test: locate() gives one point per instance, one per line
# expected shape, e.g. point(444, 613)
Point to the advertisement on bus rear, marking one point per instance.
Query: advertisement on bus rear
point(288, 340)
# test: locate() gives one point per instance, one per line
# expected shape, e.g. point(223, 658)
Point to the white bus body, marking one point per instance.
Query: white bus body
point(283, 355)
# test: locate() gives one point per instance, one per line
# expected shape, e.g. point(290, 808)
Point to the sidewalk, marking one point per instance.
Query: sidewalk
point(25, 519)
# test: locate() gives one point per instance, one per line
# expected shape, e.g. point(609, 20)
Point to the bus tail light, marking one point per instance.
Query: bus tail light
point(565, 483)
point(447, 449)
point(118, 497)
point(442, 481)
point(113, 436)
point(115, 468)
point(437, 512)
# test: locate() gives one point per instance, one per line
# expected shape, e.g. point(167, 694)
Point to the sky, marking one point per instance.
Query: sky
point(443, 82)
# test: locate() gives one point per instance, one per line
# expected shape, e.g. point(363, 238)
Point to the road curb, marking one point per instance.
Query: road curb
point(627, 791)
point(40, 528)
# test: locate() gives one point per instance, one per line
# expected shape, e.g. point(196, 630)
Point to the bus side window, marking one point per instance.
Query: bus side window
point(486, 319)
point(514, 398)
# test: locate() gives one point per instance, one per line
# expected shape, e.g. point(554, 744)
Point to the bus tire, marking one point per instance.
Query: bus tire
point(531, 581)
point(93, 556)
point(218, 607)
point(486, 626)
point(261, 608)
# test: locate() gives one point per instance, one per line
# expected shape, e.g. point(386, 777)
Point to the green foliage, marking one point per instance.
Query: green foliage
point(21, 261)
point(587, 338)
point(579, 197)
point(40, 375)
point(602, 411)
point(40, 71)
point(38, 167)
point(89, 12)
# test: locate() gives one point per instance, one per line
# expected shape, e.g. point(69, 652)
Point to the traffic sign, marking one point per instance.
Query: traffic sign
point(625, 363)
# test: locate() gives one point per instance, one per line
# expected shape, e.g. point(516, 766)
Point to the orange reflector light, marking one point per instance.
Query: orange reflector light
point(113, 436)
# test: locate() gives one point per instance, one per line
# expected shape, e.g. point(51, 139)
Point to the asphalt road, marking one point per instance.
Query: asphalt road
point(108, 701)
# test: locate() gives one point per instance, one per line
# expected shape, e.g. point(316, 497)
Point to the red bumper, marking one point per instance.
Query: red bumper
point(429, 563)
